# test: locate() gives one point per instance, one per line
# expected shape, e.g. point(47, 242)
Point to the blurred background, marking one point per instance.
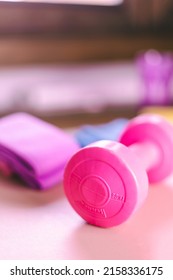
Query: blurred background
point(76, 61)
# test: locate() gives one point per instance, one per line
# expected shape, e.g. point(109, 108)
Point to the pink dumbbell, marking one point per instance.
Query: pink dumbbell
point(105, 182)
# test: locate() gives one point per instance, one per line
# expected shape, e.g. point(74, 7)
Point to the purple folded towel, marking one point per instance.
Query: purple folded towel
point(34, 150)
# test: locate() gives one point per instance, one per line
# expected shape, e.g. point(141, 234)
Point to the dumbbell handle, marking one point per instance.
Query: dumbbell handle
point(154, 137)
point(147, 152)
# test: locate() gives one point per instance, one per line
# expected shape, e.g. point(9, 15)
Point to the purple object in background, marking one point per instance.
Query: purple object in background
point(156, 71)
point(34, 150)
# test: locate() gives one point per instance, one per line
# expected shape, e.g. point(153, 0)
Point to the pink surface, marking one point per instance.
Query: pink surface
point(42, 225)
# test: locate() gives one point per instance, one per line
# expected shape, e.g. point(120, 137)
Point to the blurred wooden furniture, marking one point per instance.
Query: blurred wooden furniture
point(47, 33)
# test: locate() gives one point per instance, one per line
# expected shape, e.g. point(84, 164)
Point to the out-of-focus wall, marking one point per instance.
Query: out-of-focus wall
point(51, 33)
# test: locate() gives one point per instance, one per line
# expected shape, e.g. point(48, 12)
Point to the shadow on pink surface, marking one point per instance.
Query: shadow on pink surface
point(147, 235)
point(17, 194)
point(42, 225)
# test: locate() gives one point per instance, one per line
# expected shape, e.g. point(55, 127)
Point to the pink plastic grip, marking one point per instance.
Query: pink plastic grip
point(148, 153)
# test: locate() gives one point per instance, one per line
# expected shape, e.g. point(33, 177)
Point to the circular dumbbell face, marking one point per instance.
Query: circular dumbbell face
point(104, 184)
point(158, 131)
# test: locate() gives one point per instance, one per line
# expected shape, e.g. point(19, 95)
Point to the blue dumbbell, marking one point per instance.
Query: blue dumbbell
point(88, 134)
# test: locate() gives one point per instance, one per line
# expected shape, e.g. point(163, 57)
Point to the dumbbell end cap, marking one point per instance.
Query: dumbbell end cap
point(104, 183)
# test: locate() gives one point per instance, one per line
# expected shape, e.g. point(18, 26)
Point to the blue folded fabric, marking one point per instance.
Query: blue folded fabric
point(88, 134)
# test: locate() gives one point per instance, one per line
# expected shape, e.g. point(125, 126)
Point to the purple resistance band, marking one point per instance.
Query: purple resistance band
point(34, 150)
